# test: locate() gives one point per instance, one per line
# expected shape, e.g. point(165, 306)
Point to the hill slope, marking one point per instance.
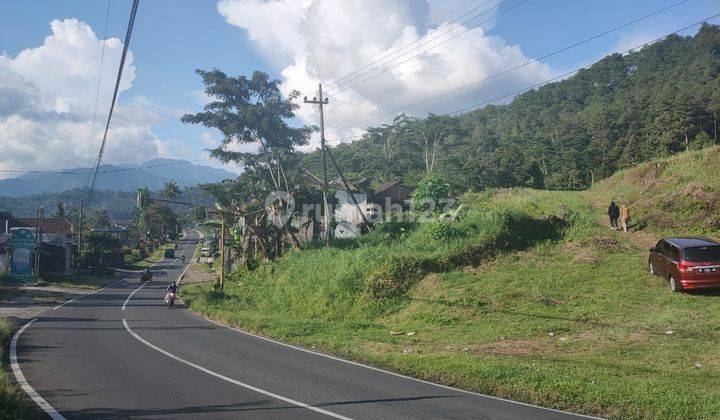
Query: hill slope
point(529, 296)
point(622, 110)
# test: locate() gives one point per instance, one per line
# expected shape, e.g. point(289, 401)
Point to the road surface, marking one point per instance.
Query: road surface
point(90, 358)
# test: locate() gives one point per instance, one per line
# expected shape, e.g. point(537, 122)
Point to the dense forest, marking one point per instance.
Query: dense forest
point(620, 111)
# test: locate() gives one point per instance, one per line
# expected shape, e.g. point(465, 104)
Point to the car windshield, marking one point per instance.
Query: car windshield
point(702, 254)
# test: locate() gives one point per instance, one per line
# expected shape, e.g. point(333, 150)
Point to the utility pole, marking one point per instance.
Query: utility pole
point(349, 190)
point(222, 251)
point(320, 102)
point(80, 229)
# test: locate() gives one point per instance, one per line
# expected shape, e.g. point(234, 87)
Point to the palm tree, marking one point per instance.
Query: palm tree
point(171, 191)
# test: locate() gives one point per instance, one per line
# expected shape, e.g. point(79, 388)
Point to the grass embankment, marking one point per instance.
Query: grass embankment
point(134, 262)
point(672, 196)
point(12, 404)
point(508, 301)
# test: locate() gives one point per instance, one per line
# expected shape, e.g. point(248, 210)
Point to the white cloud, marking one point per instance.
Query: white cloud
point(313, 40)
point(47, 96)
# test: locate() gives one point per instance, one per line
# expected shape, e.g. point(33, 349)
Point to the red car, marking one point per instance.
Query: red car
point(687, 263)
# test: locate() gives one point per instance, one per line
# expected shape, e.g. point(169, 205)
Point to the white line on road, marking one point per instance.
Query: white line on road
point(54, 414)
point(339, 359)
point(131, 295)
point(86, 294)
point(233, 381)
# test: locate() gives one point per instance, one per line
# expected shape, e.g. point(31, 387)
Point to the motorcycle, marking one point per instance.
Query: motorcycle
point(169, 300)
point(146, 277)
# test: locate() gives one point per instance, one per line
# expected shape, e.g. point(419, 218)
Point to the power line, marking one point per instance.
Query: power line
point(527, 63)
point(126, 45)
point(562, 76)
point(97, 91)
point(340, 89)
point(106, 171)
point(338, 80)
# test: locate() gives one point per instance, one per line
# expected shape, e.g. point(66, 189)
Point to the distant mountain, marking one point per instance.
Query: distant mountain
point(152, 174)
point(120, 205)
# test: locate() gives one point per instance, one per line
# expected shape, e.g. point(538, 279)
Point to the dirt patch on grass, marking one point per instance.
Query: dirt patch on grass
point(514, 347)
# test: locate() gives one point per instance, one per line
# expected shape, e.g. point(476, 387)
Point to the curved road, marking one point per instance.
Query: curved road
point(90, 358)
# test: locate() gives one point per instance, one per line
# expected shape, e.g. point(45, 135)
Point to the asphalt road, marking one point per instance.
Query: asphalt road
point(91, 358)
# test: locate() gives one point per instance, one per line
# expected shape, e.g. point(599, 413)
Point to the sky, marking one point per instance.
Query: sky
point(403, 51)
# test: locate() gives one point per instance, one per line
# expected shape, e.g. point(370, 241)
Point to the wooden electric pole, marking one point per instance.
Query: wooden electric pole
point(320, 102)
point(222, 251)
point(80, 229)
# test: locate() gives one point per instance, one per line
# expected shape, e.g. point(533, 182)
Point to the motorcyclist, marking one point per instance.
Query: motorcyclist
point(182, 258)
point(171, 289)
point(146, 275)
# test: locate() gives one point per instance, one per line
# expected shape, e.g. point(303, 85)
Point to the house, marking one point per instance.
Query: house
point(58, 242)
point(391, 193)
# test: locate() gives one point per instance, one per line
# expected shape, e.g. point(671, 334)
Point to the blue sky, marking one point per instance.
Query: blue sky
point(172, 38)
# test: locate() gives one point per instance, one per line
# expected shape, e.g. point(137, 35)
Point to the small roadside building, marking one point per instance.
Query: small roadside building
point(58, 242)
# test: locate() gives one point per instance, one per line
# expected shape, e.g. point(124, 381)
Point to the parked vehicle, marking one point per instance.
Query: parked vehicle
point(205, 252)
point(170, 253)
point(686, 263)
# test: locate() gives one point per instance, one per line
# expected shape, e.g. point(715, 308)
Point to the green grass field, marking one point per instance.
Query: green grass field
point(528, 296)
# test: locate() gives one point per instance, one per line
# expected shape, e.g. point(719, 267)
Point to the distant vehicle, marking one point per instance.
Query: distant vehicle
point(686, 263)
point(170, 253)
point(205, 252)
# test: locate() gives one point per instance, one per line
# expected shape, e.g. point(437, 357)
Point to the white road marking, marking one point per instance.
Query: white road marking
point(40, 401)
point(87, 294)
point(131, 295)
point(339, 359)
point(233, 381)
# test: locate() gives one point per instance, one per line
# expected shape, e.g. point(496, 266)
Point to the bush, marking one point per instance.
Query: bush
point(430, 191)
point(443, 230)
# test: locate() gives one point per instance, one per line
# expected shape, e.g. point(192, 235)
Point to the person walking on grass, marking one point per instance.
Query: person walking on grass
point(614, 213)
point(624, 217)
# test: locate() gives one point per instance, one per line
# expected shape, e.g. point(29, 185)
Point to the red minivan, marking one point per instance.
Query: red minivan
point(687, 263)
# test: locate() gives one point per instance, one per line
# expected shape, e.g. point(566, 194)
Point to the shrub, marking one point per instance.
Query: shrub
point(431, 190)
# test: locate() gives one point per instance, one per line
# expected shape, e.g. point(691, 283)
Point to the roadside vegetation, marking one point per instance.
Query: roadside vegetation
point(527, 296)
point(134, 262)
point(12, 404)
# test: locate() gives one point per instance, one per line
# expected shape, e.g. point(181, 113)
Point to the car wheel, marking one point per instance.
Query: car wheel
point(673, 285)
point(651, 268)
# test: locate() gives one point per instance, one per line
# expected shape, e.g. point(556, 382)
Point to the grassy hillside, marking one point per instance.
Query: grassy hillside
point(675, 195)
point(528, 296)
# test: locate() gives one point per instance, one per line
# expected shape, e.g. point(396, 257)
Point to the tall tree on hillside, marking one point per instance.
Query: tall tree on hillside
point(171, 190)
point(253, 114)
point(60, 212)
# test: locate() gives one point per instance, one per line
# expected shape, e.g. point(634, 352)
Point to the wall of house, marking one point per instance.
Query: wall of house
point(345, 209)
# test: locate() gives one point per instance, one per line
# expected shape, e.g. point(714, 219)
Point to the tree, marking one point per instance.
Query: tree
point(430, 192)
point(171, 191)
point(253, 112)
point(99, 252)
point(60, 212)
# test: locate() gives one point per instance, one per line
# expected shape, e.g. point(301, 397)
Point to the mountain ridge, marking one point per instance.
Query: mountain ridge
point(127, 177)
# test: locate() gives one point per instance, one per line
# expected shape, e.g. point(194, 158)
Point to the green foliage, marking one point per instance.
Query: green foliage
point(623, 110)
point(99, 252)
point(430, 192)
point(443, 230)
